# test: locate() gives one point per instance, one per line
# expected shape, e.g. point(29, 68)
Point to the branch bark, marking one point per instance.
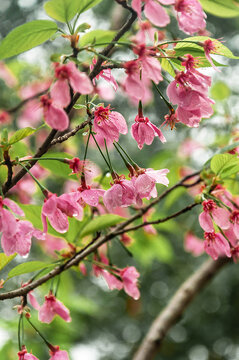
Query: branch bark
point(177, 305)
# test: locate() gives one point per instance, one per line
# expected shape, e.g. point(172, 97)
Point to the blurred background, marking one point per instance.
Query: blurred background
point(108, 325)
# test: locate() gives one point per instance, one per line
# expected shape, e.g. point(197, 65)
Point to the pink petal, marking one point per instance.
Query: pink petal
point(60, 93)
point(79, 81)
point(119, 121)
point(156, 14)
point(206, 222)
point(13, 206)
point(158, 133)
point(56, 118)
point(221, 218)
point(46, 313)
point(61, 310)
point(136, 5)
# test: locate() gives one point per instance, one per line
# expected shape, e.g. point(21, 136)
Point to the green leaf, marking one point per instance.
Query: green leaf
point(21, 134)
point(225, 164)
point(220, 91)
point(220, 49)
point(27, 268)
point(4, 260)
point(220, 8)
point(97, 36)
point(26, 37)
point(100, 223)
point(65, 10)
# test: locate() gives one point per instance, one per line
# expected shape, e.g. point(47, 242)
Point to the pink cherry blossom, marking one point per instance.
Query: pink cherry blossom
point(216, 245)
point(4, 117)
point(190, 15)
point(52, 307)
point(90, 196)
point(145, 183)
point(20, 241)
point(150, 66)
point(134, 84)
point(8, 222)
point(153, 10)
point(112, 281)
point(212, 212)
point(234, 217)
point(193, 244)
point(58, 208)
point(210, 46)
point(24, 355)
point(190, 91)
point(130, 276)
point(143, 131)
point(69, 75)
point(57, 354)
point(55, 116)
point(145, 31)
point(105, 74)
point(108, 124)
point(121, 193)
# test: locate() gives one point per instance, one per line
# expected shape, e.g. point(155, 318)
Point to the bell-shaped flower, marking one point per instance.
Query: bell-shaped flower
point(153, 10)
point(212, 212)
point(134, 84)
point(8, 222)
point(105, 74)
point(52, 307)
point(145, 182)
point(108, 124)
point(129, 277)
point(54, 115)
point(216, 245)
point(190, 15)
point(144, 132)
point(210, 46)
point(121, 193)
point(68, 74)
point(57, 209)
point(20, 242)
point(57, 354)
point(24, 355)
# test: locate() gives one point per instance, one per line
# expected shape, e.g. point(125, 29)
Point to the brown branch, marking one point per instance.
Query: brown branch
point(8, 163)
point(159, 221)
point(177, 305)
point(66, 136)
point(92, 246)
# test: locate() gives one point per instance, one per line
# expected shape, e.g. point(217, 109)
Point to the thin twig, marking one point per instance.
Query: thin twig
point(175, 308)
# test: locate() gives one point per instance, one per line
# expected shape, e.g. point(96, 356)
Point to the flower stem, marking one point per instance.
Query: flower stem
point(100, 150)
point(19, 332)
point(127, 155)
point(39, 333)
point(43, 189)
point(163, 97)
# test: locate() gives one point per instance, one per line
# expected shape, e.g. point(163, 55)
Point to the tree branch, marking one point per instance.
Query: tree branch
point(94, 245)
point(175, 308)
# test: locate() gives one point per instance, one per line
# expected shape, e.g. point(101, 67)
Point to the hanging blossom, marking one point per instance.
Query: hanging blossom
point(211, 212)
point(57, 354)
point(145, 181)
point(216, 245)
point(52, 307)
point(108, 125)
point(234, 218)
point(210, 46)
point(105, 74)
point(16, 233)
point(189, 91)
point(121, 193)
point(119, 279)
point(153, 10)
point(57, 209)
point(87, 195)
point(54, 115)
point(190, 16)
point(143, 131)
point(24, 355)
point(87, 167)
point(69, 75)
